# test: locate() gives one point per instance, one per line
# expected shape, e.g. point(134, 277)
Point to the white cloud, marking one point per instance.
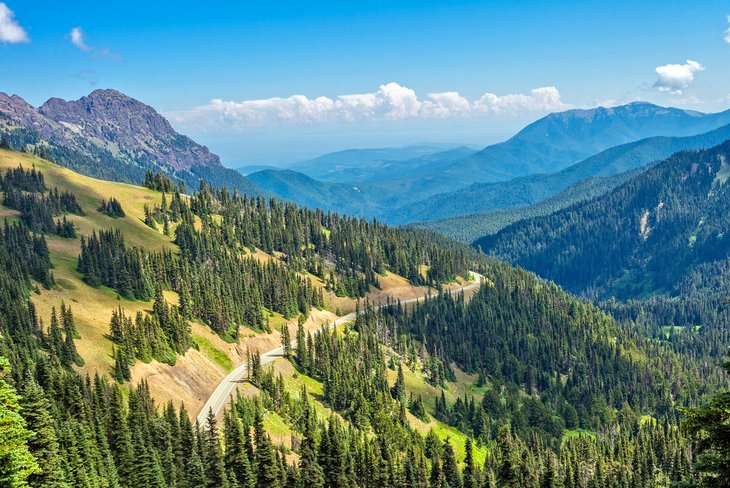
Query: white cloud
point(78, 39)
point(727, 31)
point(674, 78)
point(10, 31)
point(391, 102)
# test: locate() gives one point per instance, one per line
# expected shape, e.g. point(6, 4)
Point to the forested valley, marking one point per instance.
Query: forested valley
point(564, 394)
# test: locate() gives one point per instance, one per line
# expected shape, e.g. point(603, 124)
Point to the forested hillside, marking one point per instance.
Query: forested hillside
point(468, 228)
point(522, 385)
point(650, 235)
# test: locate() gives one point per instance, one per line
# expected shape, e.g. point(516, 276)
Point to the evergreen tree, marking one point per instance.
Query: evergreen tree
point(710, 425)
point(310, 471)
point(302, 353)
point(36, 410)
point(449, 466)
point(508, 474)
point(399, 389)
point(286, 341)
point(215, 472)
point(470, 476)
point(16, 461)
point(267, 475)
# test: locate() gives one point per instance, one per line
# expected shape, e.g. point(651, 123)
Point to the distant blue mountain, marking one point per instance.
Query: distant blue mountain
point(306, 191)
point(529, 190)
point(354, 164)
point(253, 168)
point(557, 141)
point(535, 164)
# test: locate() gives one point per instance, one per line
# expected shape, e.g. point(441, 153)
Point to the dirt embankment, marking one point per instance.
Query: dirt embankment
point(194, 376)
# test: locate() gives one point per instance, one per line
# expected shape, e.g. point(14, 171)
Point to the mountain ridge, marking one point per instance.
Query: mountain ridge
point(110, 135)
point(642, 238)
point(423, 188)
point(532, 189)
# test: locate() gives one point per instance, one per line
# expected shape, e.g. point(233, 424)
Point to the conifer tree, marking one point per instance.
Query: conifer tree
point(267, 475)
point(449, 466)
point(16, 461)
point(508, 473)
point(470, 476)
point(286, 341)
point(43, 444)
point(399, 389)
point(149, 220)
point(310, 471)
point(213, 462)
point(550, 478)
point(302, 353)
point(709, 424)
point(237, 463)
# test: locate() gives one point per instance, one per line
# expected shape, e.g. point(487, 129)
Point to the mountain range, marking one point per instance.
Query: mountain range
point(370, 164)
point(533, 189)
point(111, 135)
point(454, 182)
point(494, 375)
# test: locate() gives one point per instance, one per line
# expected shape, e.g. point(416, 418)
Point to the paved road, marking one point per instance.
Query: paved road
point(229, 384)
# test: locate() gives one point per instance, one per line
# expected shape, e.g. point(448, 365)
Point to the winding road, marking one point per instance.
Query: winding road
point(218, 399)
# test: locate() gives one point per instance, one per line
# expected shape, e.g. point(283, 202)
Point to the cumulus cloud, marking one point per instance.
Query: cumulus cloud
point(10, 31)
point(391, 102)
point(674, 78)
point(78, 39)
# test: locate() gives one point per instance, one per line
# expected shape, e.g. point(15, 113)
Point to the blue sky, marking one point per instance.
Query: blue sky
point(225, 73)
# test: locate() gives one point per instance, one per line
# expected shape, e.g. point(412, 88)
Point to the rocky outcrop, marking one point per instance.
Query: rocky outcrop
point(127, 125)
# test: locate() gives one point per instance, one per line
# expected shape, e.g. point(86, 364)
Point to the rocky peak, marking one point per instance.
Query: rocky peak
point(16, 112)
point(128, 125)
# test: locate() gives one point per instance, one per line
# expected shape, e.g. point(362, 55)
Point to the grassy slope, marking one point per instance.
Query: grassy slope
point(92, 307)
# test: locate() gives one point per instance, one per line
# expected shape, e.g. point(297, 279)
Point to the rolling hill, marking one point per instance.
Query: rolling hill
point(353, 165)
point(303, 190)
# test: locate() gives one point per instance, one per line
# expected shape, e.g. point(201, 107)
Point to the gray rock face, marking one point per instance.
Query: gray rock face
point(127, 128)
point(123, 124)
point(16, 112)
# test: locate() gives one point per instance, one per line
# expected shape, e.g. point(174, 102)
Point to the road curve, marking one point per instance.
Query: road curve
point(217, 400)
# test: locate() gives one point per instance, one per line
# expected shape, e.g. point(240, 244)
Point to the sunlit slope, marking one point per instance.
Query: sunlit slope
point(194, 375)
